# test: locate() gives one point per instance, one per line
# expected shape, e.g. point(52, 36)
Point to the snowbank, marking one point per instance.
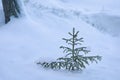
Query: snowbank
point(38, 37)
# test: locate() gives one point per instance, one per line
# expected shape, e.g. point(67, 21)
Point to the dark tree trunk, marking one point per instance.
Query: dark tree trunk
point(10, 8)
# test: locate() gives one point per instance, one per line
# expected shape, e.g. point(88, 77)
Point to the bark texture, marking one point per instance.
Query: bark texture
point(10, 8)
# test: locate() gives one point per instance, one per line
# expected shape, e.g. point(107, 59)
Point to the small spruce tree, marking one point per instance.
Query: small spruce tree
point(73, 60)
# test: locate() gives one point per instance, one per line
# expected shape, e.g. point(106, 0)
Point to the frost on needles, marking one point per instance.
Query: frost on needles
point(75, 58)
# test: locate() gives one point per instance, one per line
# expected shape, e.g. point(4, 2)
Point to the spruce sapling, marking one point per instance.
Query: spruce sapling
point(73, 60)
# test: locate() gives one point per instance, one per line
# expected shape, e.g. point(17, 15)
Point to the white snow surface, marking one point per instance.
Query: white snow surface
point(37, 35)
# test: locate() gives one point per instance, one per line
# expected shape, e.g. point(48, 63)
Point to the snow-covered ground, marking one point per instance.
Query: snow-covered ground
point(37, 36)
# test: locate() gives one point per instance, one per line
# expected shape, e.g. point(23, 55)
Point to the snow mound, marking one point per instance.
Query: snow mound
point(106, 23)
point(38, 36)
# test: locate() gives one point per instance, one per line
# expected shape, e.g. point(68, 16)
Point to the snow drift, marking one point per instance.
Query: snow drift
point(37, 36)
